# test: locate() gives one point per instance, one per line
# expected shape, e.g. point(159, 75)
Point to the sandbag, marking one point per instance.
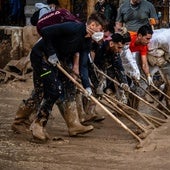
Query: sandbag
point(156, 61)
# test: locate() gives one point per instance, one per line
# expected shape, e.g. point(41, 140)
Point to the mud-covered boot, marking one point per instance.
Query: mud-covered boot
point(38, 130)
point(80, 108)
point(148, 98)
point(121, 96)
point(21, 122)
point(110, 92)
point(38, 125)
point(91, 114)
point(133, 102)
point(70, 115)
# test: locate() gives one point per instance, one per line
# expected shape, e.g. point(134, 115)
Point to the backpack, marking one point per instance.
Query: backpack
point(35, 17)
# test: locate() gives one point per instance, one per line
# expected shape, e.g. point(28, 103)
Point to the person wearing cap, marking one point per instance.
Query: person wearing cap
point(51, 5)
point(28, 106)
point(61, 42)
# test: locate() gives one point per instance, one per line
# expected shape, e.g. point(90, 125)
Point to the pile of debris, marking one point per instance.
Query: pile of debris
point(15, 46)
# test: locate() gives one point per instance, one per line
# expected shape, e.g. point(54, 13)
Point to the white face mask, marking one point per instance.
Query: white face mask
point(97, 36)
point(125, 47)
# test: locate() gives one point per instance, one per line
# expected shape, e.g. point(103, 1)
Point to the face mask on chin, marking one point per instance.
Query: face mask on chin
point(100, 1)
point(97, 36)
point(125, 47)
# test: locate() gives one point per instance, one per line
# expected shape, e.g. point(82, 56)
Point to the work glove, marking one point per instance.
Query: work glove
point(53, 59)
point(99, 90)
point(122, 97)
point(125, 86)
point(101, 87)
point(88, 91)
point(136, 79)
point(149, 80)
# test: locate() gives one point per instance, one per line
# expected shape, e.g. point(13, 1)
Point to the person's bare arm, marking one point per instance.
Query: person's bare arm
point(145, 65)
point(145, 68)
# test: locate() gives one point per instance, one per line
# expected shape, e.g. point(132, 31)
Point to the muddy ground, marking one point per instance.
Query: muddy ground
point(108, 146)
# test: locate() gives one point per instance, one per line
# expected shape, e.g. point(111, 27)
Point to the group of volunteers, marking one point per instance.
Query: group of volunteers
point(118, 49)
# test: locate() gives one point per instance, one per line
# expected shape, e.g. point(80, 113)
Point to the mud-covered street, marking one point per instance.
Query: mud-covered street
point(108, 146)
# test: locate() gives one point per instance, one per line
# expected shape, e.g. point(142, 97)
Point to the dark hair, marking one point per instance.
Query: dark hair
point(126, 37)
point(109, 27)
point(56, 2)
point(116, 37)
point(145, 29)
point(100, 18)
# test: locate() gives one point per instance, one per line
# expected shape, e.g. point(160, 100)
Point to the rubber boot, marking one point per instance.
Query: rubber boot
point(70, 115)
point(21, 122)
point(91, 114)
point(148, 98)
point(121, 96)
point(80, 108)
point(38, 125)
point(110, 92)
point(38, 130)
point(98, 117)
point(133, 101)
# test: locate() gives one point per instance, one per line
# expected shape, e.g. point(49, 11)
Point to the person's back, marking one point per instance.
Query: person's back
point(134, 14)
point(68, 38)
point(43, 9)
point(58, 16)
point(159, 40)
point(159, 48)
point(159, 57)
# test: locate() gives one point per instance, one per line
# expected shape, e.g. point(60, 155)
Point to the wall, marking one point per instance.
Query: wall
point(16, 42)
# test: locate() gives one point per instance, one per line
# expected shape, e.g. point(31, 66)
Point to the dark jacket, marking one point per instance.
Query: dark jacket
point(107, 60)
point(65, 39)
